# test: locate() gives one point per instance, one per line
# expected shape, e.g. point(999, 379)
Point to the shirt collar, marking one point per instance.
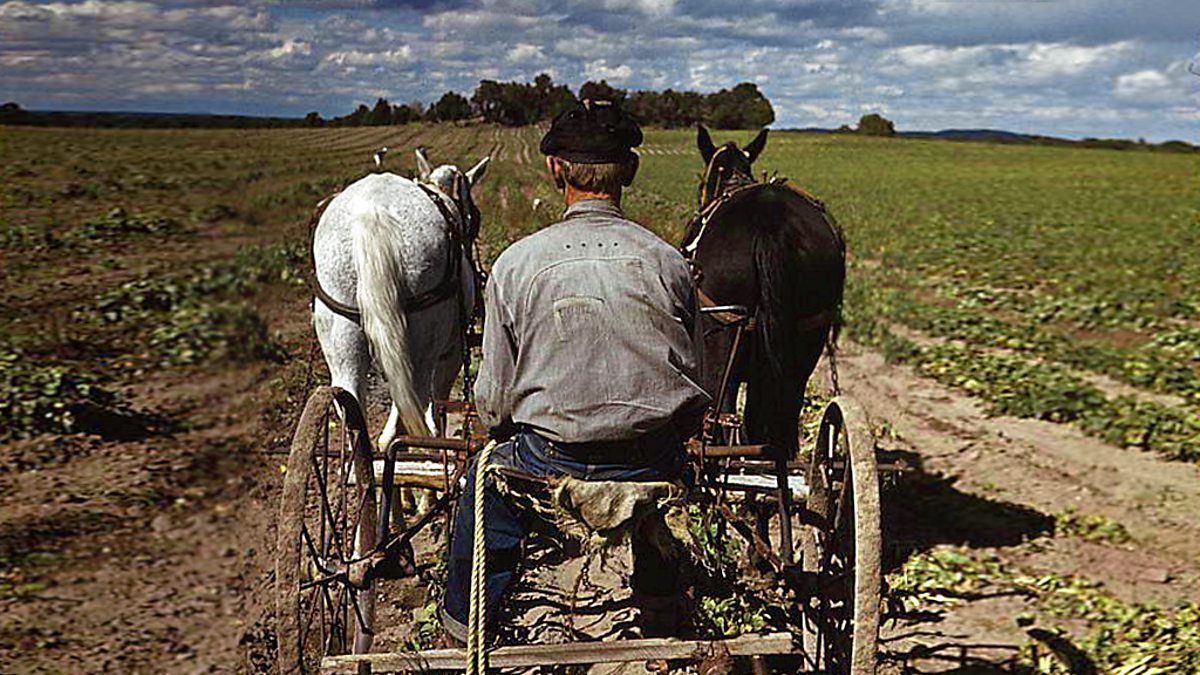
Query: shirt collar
point(593, 207)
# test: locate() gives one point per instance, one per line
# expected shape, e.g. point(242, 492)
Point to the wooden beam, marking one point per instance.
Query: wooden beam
point(573, 653)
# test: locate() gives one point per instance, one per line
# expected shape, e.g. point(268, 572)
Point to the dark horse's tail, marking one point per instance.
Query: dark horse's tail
point(799, 260)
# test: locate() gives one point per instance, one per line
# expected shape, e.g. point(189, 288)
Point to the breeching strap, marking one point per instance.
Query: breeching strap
point(447, 287)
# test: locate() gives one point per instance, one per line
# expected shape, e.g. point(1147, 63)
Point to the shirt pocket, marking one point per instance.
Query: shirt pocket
point(584, 333)
point(577, 318)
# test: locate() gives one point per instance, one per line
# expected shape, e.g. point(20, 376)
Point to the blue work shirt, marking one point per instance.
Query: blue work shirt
point(591, 333)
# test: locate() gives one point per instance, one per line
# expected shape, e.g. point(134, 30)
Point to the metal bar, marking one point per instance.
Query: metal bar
point(785, 513)
point(402, 457)
point(734, 487)
point(419, 480)
point(721, 451)
point(575, 653)
point(387, 484)
point(453, 406)
point(468, 445)
point(732, 309)
point(758, 467)
point(730, 361)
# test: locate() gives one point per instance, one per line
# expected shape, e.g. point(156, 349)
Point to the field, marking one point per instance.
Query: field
point(1023, 324)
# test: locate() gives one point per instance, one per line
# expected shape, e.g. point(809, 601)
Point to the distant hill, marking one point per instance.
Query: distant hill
point(969, 135)
point(1001, 136)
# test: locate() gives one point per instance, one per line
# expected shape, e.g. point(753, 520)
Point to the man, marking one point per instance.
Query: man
point(590, 358)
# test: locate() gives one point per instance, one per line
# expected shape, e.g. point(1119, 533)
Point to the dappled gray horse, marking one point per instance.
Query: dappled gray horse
point(394, 279)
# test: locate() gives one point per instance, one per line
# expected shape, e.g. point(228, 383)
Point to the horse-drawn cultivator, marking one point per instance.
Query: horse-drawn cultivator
point(819, 537)
point(807, 510)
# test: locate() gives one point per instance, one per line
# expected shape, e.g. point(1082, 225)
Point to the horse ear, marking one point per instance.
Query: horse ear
point(424, 168)
point(756, 146)
point(705, 144)
point(477, 172)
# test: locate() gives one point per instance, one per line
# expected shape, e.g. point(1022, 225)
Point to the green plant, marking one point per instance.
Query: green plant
point(26, 237)
point(242, 276)
point(118, 222)
point(1090, 527)
point(728, 616)
point(1116, 635)
point(38, 398)
point(197, 332)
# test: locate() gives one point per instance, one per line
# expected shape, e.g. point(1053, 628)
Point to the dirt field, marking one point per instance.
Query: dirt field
point(137, 515)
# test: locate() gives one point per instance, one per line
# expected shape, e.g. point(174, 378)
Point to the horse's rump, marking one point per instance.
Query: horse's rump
point(798, 260)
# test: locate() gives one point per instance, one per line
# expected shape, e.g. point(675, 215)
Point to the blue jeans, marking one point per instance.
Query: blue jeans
point(505, 528)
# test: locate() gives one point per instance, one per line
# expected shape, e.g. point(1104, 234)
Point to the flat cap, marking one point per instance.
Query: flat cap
point(594, 132)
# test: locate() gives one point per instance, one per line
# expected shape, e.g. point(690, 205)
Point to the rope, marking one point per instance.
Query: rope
point(476, 612)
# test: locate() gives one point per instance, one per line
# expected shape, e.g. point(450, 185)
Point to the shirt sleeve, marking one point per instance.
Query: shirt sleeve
point(691, 418)
point(494, 386)
point(695, 329)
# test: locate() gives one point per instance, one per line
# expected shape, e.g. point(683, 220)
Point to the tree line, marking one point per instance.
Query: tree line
point(514, 103)
point(521, 103)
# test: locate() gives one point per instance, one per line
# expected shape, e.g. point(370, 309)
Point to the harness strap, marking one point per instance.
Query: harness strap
point(705, 215)
point(337, 307)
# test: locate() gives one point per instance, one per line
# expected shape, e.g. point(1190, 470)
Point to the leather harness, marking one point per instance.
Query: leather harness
point(699, 224)
point(445, 289)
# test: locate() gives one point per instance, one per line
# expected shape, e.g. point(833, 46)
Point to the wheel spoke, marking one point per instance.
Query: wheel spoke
point(327, 515)
point(308, 542)
point(306, 627)
point(358, 615)
point(336, 619)
point(362, 538)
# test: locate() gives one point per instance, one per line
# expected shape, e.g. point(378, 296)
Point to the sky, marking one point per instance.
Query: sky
point(1073, 68)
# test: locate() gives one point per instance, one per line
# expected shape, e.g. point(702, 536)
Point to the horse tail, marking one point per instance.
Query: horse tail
point(380, 295)
point(777, 266)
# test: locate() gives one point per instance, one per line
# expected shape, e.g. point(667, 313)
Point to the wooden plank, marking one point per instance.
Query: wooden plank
point(574, 653)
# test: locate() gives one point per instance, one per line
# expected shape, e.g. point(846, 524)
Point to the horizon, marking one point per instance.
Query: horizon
point(1071, 69)
point(774, 126)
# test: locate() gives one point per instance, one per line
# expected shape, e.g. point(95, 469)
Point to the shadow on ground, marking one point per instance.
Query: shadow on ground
point(922, 510)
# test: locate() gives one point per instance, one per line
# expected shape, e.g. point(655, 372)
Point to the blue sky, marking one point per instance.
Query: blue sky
point(1065, 67)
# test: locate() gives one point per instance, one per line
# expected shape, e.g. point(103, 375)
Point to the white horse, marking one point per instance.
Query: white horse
point(386, 251)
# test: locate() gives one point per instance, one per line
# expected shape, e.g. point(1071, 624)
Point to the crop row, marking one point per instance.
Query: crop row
point(1122, 637)
point(1013, 385)
point(1165, 363)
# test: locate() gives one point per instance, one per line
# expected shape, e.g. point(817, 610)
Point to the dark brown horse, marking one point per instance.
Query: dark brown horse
point(774, 250)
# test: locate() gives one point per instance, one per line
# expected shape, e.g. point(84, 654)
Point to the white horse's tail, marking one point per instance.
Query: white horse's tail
point(380, 297)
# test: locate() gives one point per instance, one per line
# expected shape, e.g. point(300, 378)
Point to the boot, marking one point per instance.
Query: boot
point(658, 615)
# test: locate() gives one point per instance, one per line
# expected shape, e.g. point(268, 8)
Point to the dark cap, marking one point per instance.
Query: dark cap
point(595, 132)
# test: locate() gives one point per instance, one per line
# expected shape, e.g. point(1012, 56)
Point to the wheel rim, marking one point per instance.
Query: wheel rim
point(328, 526)
point(842, 548)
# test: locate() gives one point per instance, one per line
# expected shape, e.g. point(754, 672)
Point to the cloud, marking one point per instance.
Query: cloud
point(525, 53)
point(354, 58)
point(600, 70)
point(650, 7)
point(1079, 21)
point(1154, 88)
point(1027, 65)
